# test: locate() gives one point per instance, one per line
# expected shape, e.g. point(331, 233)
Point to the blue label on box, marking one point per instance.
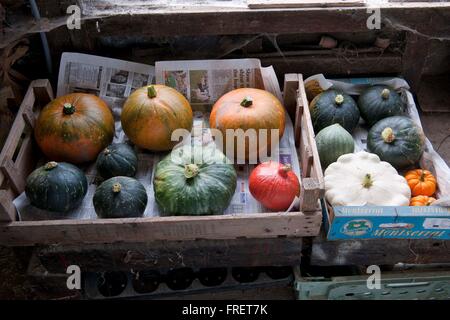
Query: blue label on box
point(390, 222)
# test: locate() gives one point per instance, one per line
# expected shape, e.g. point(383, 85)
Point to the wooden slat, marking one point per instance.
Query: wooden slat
point(316, 168)
point(290, 93)
point(7, 208)
point(263, 225)
point(274, 4)
point(173, 254)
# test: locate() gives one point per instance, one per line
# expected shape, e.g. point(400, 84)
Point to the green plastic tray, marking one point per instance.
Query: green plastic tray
point(395, 285)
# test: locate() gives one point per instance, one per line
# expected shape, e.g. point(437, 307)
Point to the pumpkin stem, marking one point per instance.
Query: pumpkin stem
point(367, 182)
point(68, 108)
point(339, 99)
point(106, 151)
point(190, 170)
point(247, 102)
point(422, 176)
point(50, 165)
point(388, 135)
point(285, 169)
point(117, 187)
point(385, 93)
point(151, 91)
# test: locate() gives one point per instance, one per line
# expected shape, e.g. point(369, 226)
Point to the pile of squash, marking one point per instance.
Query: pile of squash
point(394, 142)
point(79, 128)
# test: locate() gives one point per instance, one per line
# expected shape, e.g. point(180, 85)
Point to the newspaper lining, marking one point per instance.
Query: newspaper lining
point(430, 159)
point(201, 81)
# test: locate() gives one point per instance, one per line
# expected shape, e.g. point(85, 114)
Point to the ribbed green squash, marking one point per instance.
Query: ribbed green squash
point(379, 102)
point(332, 142)
point(194, 181)
point(57, 187)
point(118, 159)
point(332, 107)
point(397, 140)
point(120, 197)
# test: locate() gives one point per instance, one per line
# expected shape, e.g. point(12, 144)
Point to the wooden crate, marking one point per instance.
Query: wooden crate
point(19, 157)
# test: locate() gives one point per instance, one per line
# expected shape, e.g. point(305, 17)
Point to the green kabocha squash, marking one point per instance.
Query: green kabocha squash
point(194, 181)
point(397, 140)
point(120, 197)
point(379, 102)
point(332, 142)
point(118, 159)
point(332, 107)
point(57, 187)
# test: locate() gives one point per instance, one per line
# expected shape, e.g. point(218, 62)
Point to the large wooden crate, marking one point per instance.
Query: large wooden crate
point(19, 157)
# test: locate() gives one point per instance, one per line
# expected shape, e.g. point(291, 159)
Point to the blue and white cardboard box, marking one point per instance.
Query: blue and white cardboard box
point(432, 222)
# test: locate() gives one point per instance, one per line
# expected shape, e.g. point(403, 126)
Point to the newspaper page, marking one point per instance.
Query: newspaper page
point(430, 159)
point(110, 79)
point(203, 82)
point(92, 74)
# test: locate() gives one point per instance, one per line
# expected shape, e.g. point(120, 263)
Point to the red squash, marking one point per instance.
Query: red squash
point(275, 185)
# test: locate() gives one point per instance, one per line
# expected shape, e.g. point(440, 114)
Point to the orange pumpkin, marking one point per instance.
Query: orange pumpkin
point(421, 182)
point(151, 114)
point(74, 128)
point(245, 109)
point(422, 201)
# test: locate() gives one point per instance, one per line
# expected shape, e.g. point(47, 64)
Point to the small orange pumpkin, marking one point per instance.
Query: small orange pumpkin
point(151, 114)
point(422, 201)
point(421, 182)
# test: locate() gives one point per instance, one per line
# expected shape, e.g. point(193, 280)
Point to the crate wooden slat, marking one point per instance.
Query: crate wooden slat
point(13, 175)
point(172, 254)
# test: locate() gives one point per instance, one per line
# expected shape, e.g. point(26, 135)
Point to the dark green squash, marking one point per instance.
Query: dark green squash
point(379, 102)
point(194, 181)
point(332, 142)
point(397, 140)
point(120, 197)
point(332, 107)
point(57, 187)
point(118, 159)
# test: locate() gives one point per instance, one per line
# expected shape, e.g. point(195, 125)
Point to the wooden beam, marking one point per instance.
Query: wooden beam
point(173, 254)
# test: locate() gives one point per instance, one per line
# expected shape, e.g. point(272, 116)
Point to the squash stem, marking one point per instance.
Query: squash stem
point(339, 99)
point(367, 182)
point(385, 93)
point(117, 187)
point(50, 165)
point(285, 169)
point(151, 91)
point(69, 108)
point(190, 170)
point(247, 102)
point(106, 151)
point(422, 176)
point(388, 135)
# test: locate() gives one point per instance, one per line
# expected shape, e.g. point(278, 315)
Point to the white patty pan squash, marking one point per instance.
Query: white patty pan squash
point(362, 179)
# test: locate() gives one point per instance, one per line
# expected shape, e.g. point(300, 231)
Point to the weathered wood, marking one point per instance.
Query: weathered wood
point(273, 4)
point(290, 88)
point(378, 251)
point(173, 254)
point(260, 225)
point(337, 64)
point(310, 193)
point(434, 93)
point(414, 58)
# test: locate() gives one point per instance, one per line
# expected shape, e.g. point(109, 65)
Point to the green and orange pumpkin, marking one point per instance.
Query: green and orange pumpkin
point(74, 128)
point(151, 114)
